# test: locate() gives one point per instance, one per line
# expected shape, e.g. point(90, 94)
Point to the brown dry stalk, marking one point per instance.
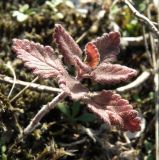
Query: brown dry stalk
point(33, 86)
point(140, 80)
point(156, 81)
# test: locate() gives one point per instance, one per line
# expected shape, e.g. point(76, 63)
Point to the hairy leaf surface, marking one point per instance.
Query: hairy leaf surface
point(110, 107)
point(112, 73)
point(108, 46)
point(114, 110)
point(66, 45)
point(72, 87)
point(92, 55)
point(41, 59)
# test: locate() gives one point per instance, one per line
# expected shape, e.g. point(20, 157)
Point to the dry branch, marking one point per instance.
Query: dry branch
point(133, 41)
point(34, 86)
point(143, 77)
point(156, 81)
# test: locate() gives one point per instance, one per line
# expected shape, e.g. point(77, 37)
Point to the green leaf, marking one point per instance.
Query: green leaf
point(23, 8)
point(3, 149)
point(75, 108)
point(86, 117)
point(21, 17)
point(152, 95)
point(148, 145)
point(137, 98)
point(3, 155)
point(142, 7)
point(64, 109)
point(150, 157)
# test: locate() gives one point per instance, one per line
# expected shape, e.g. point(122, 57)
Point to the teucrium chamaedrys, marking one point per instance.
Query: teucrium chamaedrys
point(97, 65)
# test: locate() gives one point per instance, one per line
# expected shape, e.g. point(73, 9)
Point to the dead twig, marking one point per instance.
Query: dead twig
point(133, 41)
point(73, 144)
point(156, 81)
point(33, 86)
point(149, 56)
point(25, 88)
point(14, 78)
point(140, 79)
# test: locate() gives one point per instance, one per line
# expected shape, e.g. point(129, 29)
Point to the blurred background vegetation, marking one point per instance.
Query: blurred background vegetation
point(70, 131)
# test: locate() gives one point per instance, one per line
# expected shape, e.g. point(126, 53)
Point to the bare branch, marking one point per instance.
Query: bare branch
point(133, 41)
point(34, 86)
point(14, 76)
point(24, 89)
point(43, 111)
point(143, 77)
point(149, 56)
point(156, 81)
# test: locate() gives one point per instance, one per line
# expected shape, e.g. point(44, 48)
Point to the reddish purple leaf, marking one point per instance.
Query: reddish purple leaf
point(72, 87)
point(112, 73)
point(106, 104)
point(108, 46)
point(114, 110)
point(41, 59)
point(92, 55)
point(81, 67)
point(66, 45)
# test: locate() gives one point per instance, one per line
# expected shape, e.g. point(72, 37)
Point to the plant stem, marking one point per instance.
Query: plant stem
point(137, 82)
point(156, 81)
point(25, 88)
point(42, 112)
point(14, 76)
point(34, 86)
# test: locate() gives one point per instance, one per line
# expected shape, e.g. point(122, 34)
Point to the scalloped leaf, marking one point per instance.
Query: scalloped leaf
point(106, 104)
point(92, 55)
point(114, 110)
point(108, 46)
point(66, 45)
point(112, 73)
point(41, 59)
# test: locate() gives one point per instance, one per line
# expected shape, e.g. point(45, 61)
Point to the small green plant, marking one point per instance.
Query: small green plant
point(23, 13)
point(73, 112)
point(3, 155)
